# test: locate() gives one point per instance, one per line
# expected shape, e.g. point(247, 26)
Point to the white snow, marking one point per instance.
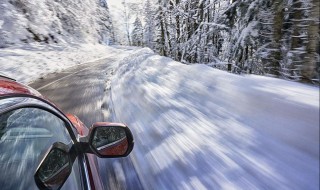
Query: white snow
point(30, 62)
point(63, 22)
point(196, 127)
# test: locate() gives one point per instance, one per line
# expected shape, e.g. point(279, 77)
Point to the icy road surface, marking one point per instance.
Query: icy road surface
point(196, 127)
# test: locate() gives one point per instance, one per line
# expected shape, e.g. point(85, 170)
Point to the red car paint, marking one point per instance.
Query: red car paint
point(10, 87)
point(115, 150)
point(81, 128)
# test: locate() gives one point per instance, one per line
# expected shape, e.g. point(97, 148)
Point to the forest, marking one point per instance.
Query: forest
point(54, 22)
point(278, 38)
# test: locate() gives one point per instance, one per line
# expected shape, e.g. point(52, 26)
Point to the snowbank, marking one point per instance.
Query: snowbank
point(33, 61)
point(200, 128)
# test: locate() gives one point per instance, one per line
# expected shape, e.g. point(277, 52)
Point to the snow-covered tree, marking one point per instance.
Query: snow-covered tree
point(277, 37)
point(127, 18)
point(149, 26)
point(160, 38)
point(105, 23)
point(137, 33)
point(54, 21)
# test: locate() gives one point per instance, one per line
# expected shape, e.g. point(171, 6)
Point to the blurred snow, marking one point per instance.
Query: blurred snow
point(53, 22)
point(196, 127)
point(32, 61)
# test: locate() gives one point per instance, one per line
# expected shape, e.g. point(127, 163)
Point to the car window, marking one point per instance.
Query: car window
point(25, 136)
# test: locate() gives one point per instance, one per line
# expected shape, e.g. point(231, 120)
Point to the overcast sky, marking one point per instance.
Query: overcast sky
point(116, 7)
point(114, 3)
point(117, 3)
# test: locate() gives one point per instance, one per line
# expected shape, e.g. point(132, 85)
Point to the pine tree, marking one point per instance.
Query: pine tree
point(160, 30)
point(105, 22)
point(137, 33)
point(127, 18)
point(277, 37)
point(149, 25)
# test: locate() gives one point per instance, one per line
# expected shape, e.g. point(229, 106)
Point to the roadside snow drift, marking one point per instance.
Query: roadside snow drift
point(196, 127)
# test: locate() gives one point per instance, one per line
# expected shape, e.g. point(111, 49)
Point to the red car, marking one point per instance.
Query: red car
point(41, 147)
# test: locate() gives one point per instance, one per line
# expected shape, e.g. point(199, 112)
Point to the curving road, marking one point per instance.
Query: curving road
point(83, 90)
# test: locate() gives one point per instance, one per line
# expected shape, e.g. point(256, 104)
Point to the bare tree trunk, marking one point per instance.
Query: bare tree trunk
point(167, 24)
point(246, 57)
point(277, 36)
point(162, 43)
point(178, 53)
point(168, 39)
point(162, 30)
point(296, 39)
point(200, 31)
point(309, 67)
point(297, 15)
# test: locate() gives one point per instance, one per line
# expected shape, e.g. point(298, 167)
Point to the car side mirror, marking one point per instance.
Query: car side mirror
point(110, 140)
point(106, 140)
point(55, 167)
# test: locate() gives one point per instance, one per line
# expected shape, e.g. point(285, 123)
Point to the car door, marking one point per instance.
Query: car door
point(27, 130)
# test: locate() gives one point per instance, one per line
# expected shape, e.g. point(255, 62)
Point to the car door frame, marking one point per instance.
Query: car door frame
point(36, 102)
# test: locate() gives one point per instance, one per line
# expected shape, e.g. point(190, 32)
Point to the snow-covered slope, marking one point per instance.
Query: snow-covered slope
point(200, 128)
point(53, 21)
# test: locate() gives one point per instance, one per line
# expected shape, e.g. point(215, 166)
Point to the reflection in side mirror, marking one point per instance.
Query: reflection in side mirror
point(55, 168)
point(109, 140)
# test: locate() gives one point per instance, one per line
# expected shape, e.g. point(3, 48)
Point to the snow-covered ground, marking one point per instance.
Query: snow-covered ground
point(196, 127)
point(30, 62)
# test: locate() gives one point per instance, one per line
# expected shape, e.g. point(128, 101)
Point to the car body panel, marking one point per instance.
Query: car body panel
point(77, 123)
point(95, 178)
point(11, 89)
point(8, 86)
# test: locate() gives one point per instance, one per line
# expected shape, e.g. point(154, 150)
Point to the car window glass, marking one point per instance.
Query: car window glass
point(25, 136)
point(5, 103)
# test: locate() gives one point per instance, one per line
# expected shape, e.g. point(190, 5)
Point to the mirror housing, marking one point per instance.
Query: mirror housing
point(55, 167)
point(110, 140)
point(106, 140)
